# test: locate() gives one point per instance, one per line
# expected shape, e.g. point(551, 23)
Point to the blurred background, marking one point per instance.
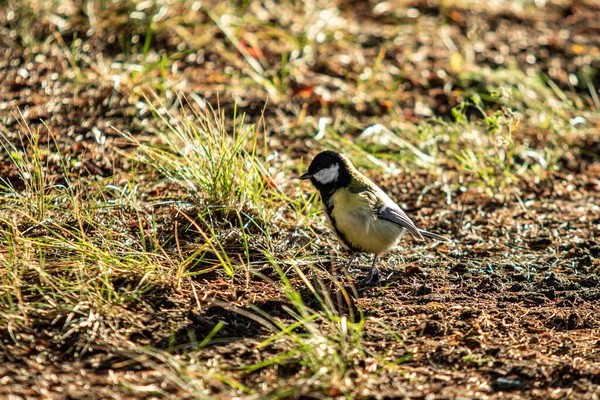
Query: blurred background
point(317, 69)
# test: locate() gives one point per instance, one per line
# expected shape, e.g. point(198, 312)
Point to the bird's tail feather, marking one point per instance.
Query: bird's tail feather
point(433, 236)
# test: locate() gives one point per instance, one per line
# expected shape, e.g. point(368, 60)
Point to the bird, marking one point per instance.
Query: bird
point(361, 215)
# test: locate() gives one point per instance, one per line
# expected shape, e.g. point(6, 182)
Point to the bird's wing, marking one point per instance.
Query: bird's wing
point(434, 236)
point(383, 207)
point(397, 216)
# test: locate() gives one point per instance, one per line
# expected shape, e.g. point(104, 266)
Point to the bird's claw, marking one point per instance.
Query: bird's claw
point(371, 279)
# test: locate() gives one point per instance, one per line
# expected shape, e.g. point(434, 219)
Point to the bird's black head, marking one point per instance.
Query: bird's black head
point(329, 171)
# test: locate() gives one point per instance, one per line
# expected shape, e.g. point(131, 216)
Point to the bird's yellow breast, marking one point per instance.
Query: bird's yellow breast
point(355, 222)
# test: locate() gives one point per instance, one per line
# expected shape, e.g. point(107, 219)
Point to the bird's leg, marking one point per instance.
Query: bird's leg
point(373, 276)
point(352, 258)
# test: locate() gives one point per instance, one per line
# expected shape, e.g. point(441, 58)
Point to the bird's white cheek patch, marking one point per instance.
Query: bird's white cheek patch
point(327, 175)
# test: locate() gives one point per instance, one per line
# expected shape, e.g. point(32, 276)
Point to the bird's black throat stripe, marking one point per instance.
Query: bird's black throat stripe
point(325, 197)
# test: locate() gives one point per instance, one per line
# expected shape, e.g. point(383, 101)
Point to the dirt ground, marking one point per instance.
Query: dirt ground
point(509, 310)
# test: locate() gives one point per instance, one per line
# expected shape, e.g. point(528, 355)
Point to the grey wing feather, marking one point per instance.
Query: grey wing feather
point(434, 236)
point(394, 213)
point(398, 216)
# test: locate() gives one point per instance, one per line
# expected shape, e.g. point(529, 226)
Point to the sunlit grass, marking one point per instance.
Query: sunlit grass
point(325, 343)
point(71, 255)
point(486, 142)
point(213, 164)
point(84, 257)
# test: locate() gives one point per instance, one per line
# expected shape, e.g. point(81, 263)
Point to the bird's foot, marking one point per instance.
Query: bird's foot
point(371, 279)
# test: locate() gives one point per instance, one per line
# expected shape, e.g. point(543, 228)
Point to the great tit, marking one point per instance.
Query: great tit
point(362, 216)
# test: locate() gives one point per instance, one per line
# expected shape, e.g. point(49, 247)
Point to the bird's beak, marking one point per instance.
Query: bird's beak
point(306, 176)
